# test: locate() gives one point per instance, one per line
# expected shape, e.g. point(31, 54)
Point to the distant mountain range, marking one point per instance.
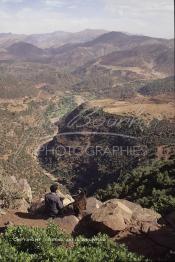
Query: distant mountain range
point(47, 40)
point(102, 61)
point(79, 54)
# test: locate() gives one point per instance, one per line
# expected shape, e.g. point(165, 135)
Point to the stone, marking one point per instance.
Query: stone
point(111, 217)
point(140, 213)
point(25, 190)
point(92, 204)
point(67, 223)
point(17, 193)
point(149, 227)
point(116, 215)
point(21, 205)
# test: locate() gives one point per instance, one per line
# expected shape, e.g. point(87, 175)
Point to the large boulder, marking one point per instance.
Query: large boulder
point(140, 213)
point(14, 193)
point(24, 196)
point(92, 204)
point(67, 223)
point(21, 205)
point(25, 190)
point(117, 215)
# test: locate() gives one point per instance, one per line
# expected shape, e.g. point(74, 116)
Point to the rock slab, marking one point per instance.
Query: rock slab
point(117, 215)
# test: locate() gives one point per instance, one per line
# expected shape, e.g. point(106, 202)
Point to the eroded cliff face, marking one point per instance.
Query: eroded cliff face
point(100, 141)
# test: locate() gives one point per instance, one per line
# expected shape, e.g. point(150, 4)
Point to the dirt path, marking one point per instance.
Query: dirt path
point(14, 217)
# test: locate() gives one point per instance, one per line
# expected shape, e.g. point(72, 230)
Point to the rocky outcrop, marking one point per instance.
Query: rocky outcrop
point(15, 194)
point(25, 190)
point(118, 215)
point(111, 217)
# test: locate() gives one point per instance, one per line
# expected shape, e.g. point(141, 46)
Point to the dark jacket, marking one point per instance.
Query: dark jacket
point(53, 204)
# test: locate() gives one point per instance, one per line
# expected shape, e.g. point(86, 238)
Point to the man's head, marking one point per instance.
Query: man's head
point(54, 188)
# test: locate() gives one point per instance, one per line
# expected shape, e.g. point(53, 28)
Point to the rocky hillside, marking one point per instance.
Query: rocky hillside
point(79, 54)
point(127, 69)
point(78, 50)
point(146, 57)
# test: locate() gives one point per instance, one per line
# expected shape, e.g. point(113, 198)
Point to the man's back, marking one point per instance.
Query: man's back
point(53, 203)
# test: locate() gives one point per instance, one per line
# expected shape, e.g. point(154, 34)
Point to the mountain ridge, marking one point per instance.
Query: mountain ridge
point(53, 39)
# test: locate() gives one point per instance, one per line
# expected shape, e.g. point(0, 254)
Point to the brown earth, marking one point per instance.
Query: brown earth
point(17, 218)
point(144, 107)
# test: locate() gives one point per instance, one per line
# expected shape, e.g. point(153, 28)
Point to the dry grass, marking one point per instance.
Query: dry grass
point(147, 108)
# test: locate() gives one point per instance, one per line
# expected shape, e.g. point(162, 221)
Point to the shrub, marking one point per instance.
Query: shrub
point(37, 245)
point(152, 186)
point(8, 253)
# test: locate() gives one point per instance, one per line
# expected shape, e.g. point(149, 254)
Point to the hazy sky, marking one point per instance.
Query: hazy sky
point(147, 17)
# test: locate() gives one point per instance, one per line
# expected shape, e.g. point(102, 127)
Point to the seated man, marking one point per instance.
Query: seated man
point(53, 202)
